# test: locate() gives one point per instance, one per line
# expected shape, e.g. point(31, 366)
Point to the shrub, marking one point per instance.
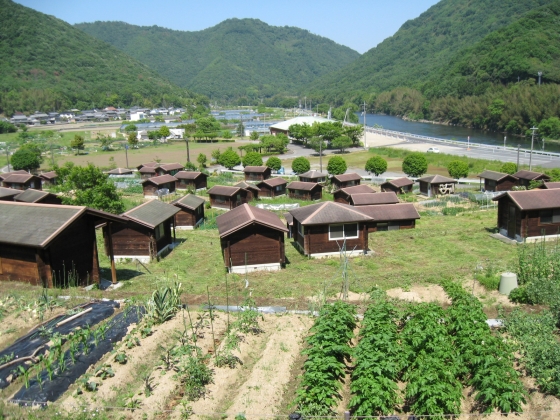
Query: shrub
point(376, 165)
point(274, 163)
point(300, 165)
point(229, 159)
point(336, 166)
point(509, 168)
point(252, 159)
point(415, 164)
point(458, 169)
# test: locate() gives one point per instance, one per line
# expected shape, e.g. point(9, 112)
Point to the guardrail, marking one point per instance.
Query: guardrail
point(416, 137)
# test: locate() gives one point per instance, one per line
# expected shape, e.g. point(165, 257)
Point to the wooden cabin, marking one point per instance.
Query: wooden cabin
point(51, 245)
point(549, 185)
point(345, 180)
point(8, 194)
point(321, 229)
point(148, 232)
point(191, 212)
point(313, 176)
point(169, 169)
point(252, 190)
point(147, 172)
point(525, 178)
point(343, 194)
point(152, 186)
point(497, 181)
point(435, 185)
point(148, 164)
point(191, 180)
point(272, 187)
point(48, 178)
point(391, 216)
point(359, 200)
point(119, 172)
point(398, 186)
point(529, 215)
point(305, 190)
point(22, 181)
point(227, 198)
point(35, 196)
point(257, 173)
point(4, 175)
point(251, 239)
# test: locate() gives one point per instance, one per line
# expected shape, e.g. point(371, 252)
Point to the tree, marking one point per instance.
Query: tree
point(252, 159)
point(341, 143)
point(226, 134)
point(240, 129)
point(89, 186)
point(318, 144)
point(415, 164)
point(164, 131)
point(216, 155)
point(105, 142)
point(189, 166)
point(130, 127)
point(508, 168)
point(6, 127)
point(132, 139)
point(355, 132)
point(25, 159)
point(458, 169)
point(336, 166)
point(300, 132)
point(77, 143)
point(202, 159)
point(254, 135)
point(376, 165)
point(274, 163)
point(300, 165)
point(229, 159)
point(207, 127)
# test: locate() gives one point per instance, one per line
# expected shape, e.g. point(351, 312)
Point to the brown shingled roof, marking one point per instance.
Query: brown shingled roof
point(247, 186)
point(400, 182)
point(529, 175)
point(188, 174)
point(313, 175)
point(536, 199)
point(18, 178)
point(223, 190)
point(257, 169)
point(374, 199)
point(147, 169)
point(159, 180)
point(171, 166)
point(8, 192)
point(356, 189)
point(149, 164)
point(391, 212)
point(347, 177)
point(119, 171)
point(245, 215)
point(550, 185)
point(189, 201)
point(32, 196)
point(493, 175)
point(302, 186)
point(4, 175)
point(151, 213)
point(49, 175)
point(274, 182)
point(437, 179)
point(328, 212)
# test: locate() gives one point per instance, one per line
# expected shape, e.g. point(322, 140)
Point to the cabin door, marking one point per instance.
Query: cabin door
point(511, 222)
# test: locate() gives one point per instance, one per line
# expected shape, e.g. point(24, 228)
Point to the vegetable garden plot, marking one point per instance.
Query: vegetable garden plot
point(64, 368)
point(31, 343)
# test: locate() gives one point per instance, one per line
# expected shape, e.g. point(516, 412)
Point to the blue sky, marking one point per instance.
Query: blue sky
point(360, 24)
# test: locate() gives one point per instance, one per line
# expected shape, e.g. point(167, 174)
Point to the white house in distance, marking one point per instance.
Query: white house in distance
point(284, 126)
point(137, 116)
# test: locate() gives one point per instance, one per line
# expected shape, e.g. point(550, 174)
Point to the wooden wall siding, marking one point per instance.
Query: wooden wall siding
point(29, 184)
point(397, 190)
point(341, 199)
point(252, 176)
point(316, 240)
point(75, 247)
point(130, 240)
point(194, 184)
point(403, 224)
point(306, 195)
point(151, 189)
point(261, 245)
point(188, 217)
point(532, 225)
point(505, 185)
point(346, 184)
point(167, 237)
point(18, 263)
point(147, 176)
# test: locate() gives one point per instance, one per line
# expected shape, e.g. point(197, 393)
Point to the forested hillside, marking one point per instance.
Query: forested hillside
point(47, 64)
point(238, 57)
point(422, 46)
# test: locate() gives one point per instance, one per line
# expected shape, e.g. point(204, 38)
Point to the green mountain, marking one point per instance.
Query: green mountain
point(47, 64)
point(422, 46)
point(238, 57)
point(519, 50)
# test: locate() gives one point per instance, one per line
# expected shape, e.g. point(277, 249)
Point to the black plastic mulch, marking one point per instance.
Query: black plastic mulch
point(49, 391)
point(26, 345)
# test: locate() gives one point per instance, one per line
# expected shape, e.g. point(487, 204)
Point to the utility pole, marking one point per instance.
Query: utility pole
point(505, 137)
point(365, 132)
point(126, 154)
point(321, 155)
point(532, 143)
point(518, 146)
point(7, 157)
point(540, 74)
point(543, 144)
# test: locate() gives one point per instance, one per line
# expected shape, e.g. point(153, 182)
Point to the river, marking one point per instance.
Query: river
point(453, 132)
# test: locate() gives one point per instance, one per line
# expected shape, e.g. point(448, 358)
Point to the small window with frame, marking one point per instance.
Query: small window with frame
point(343, 231)
point(160, 231)
point(549, 216)
point(301, 230)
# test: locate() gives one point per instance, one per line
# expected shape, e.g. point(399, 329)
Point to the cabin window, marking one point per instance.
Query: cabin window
point(383, 227)
point(301, 230)
point(220, 199)
point(346, 231)
point(491, 182)
point(278, 188)
point(159, 231)
point(549, 216)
